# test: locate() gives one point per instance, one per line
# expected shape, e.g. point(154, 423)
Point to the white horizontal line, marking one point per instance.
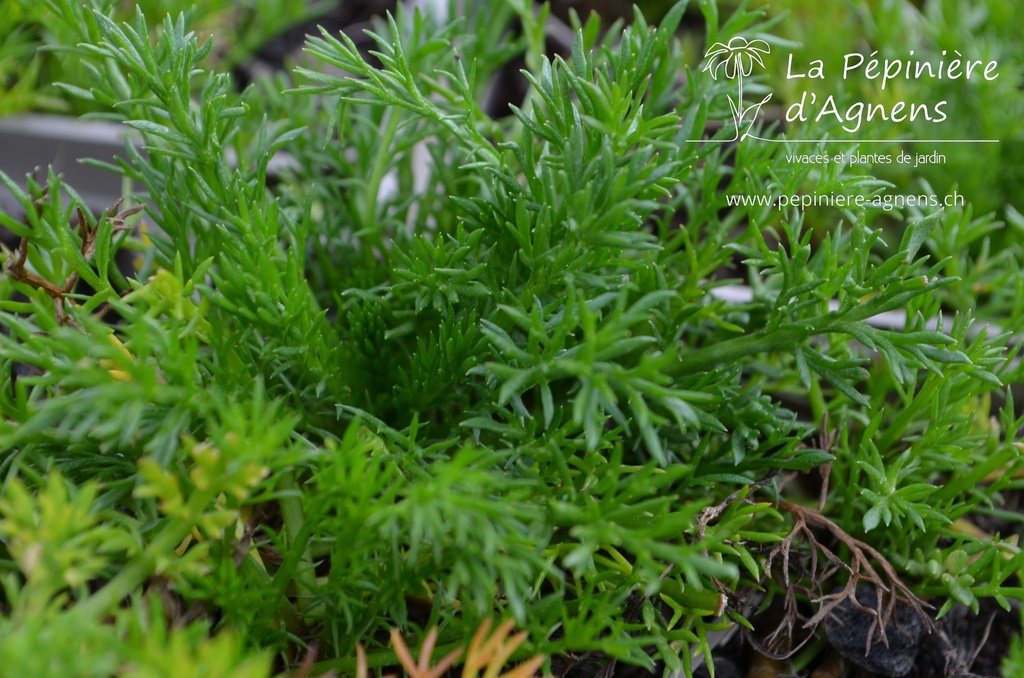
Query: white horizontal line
point(875, 141)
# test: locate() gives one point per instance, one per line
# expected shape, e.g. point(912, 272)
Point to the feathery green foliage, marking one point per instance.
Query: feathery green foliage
point(444, 367)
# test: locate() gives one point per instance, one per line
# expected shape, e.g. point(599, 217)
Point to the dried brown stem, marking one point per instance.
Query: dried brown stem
point(891, 591)
point(16, 269)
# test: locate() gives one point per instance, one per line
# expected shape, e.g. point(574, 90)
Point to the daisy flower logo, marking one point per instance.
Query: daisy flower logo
point(736, 60)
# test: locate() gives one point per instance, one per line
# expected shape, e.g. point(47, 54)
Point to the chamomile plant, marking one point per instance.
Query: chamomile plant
point(440, 368)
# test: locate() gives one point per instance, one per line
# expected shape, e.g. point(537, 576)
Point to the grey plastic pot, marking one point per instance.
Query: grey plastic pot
point(28, 142)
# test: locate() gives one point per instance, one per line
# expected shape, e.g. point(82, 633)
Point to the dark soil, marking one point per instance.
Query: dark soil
point(964, 645)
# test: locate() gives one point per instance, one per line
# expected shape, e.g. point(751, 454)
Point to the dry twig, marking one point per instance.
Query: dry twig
point(16, 269)
point(890, 588)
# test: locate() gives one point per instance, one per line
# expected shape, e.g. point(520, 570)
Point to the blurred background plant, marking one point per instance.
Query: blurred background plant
point(38, 42)
point(987, 175)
